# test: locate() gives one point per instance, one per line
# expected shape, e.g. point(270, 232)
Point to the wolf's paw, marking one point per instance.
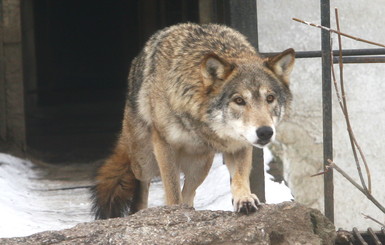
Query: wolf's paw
point(246, 204)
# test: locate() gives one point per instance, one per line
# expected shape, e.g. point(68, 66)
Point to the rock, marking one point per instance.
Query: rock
point(285, 223)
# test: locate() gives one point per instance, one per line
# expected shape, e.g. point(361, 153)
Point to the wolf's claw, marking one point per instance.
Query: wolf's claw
point(246, 204)
point(247, 208)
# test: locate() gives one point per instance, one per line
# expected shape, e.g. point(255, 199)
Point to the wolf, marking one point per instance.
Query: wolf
point(193, 91)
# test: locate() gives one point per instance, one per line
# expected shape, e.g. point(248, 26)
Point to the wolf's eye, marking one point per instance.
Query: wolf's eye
point(270, 98)
point(239, 101)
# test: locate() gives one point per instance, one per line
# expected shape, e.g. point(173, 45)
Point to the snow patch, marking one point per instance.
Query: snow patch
point(25, 208)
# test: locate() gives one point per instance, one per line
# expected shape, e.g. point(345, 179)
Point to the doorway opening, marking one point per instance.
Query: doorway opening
point(83, 52)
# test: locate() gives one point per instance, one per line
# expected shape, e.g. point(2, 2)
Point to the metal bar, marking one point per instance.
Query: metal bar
point(358, 236)
point(374, 237)
point(360, 59)
point(327, 110)
point(346, 52)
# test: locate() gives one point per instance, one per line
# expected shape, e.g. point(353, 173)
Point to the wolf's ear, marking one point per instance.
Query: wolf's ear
point(215, 68)
point(282, 64)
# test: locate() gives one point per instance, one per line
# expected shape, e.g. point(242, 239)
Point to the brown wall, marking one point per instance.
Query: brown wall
point(12, 120)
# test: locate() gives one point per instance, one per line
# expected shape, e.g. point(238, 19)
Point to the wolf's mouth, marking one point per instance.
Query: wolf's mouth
point(261, 143)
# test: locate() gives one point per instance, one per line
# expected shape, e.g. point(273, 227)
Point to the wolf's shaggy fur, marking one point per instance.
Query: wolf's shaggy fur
point(193, 91)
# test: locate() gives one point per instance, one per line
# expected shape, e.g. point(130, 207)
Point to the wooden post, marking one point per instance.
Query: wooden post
point(12, 116)
point(3, 126)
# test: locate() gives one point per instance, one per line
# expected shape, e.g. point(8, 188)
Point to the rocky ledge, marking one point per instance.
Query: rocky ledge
point(285, 223)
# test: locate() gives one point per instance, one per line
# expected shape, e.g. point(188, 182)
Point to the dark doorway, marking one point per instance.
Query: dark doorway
point(83, 51)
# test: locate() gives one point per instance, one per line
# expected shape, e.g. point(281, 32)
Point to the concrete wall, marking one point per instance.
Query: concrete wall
point(300, 137)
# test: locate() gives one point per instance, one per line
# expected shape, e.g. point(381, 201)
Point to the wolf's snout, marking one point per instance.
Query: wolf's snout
point(265, 133)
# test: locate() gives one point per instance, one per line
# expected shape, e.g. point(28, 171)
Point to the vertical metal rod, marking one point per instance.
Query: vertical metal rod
point(327, 109)
point(358, 236)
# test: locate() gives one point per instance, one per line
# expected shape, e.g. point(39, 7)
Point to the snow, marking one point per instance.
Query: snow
point(26, 207)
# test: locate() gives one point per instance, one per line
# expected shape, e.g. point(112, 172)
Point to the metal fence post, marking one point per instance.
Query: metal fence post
point(327, 109)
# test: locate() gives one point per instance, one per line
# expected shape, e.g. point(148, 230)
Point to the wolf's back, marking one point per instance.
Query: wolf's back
point(173, 56)
point(184, 46)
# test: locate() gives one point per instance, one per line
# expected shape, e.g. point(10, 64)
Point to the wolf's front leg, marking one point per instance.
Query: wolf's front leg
point(169, 170)
point(239, 165)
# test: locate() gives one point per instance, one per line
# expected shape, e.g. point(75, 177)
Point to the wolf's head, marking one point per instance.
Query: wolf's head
point(248, 97)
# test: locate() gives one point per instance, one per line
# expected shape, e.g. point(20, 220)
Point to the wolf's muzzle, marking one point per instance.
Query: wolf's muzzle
point(265, 133)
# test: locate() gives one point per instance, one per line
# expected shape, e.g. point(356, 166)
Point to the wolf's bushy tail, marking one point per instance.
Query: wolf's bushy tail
point(116, 191)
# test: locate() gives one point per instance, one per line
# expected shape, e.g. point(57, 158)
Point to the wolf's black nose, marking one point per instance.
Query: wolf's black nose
point(265, 133)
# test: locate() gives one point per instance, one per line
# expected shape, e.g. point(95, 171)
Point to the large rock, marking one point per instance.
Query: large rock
point(286, 223)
